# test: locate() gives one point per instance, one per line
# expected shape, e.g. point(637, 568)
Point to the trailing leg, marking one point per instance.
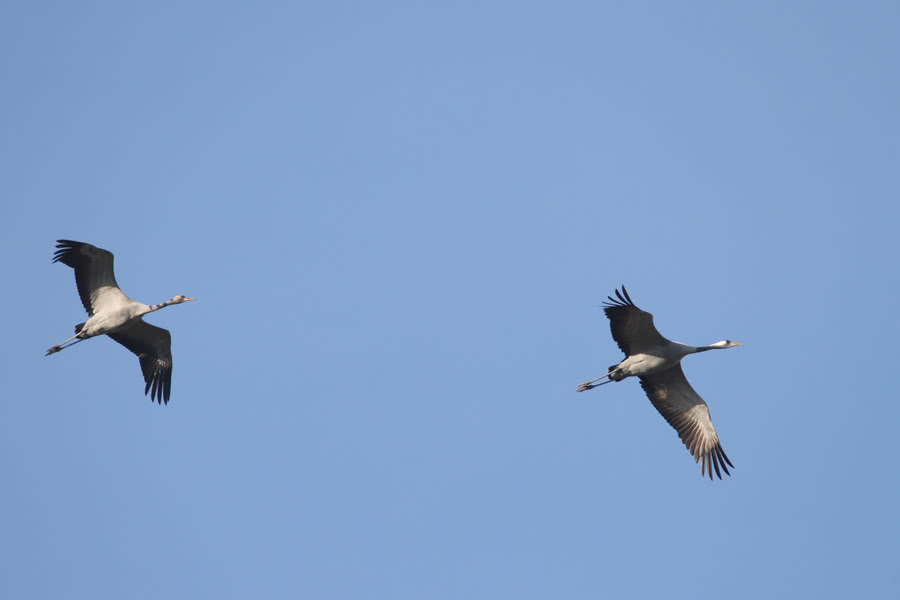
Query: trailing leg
point(589, 385)
point(61, 346)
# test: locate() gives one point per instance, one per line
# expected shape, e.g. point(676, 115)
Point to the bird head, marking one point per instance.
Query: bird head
point(724, 344)
point(180, 299)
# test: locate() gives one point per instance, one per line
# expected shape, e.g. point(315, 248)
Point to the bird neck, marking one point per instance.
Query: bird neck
point(705, 348)
point(681, 350)
point(153, 307)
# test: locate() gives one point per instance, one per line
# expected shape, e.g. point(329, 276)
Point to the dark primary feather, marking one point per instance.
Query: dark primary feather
point(685, 410)
point(93, 268)
point(153, 346)
point(631, 327)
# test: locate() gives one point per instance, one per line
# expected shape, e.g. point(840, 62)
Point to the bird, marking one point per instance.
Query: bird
point(656, 362)
point(114, 314)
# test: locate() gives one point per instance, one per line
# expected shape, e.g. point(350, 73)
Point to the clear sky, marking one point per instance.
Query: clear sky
point(400, 220)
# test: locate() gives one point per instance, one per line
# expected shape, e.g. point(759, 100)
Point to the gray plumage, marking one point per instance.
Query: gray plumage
point(656, 362)
point(114, 314)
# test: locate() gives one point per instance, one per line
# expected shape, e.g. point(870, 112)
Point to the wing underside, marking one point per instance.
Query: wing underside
point(685, 410)
point(631, 327)
point(152, 345)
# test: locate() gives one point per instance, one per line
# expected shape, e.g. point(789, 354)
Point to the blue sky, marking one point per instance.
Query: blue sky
point(400, 221)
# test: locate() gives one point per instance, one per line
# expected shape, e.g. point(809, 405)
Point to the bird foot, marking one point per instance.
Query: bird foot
point(585, 386)
point(52, 350)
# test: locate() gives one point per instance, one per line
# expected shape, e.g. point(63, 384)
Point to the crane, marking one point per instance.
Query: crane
point(656, 362)
point(114, 314)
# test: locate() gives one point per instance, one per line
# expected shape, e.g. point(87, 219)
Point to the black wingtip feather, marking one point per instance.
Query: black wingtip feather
point(159, 386)
point(716, 459)
point(620, 300)
point(155, 384)
point(66, 249)
point(167, 386)
point(726, 458)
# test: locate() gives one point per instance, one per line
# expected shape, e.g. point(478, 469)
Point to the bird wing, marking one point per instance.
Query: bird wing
point(631, 327)
point(93, 274)
point(153, 346)
point(685, 410)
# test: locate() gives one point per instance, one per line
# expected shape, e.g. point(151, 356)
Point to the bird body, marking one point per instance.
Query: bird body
point(656, 361)
point(113, 313)
point(650, 361)
point(112, 320)
point(120, 313)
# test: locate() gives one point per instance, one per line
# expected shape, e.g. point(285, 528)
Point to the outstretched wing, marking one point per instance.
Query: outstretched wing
point(631, 327)
point(93, 274)
point(685, 410)
point(153, 346)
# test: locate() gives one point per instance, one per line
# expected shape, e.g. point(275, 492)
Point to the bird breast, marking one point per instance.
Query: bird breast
point(646, 364)
point(108, 321)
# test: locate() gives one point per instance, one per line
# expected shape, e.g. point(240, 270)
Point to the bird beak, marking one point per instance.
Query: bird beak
point(735, 343)
point(186, 299)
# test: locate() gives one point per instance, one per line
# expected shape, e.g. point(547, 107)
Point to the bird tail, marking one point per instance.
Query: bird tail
point(79, 327)
point(615, 374)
